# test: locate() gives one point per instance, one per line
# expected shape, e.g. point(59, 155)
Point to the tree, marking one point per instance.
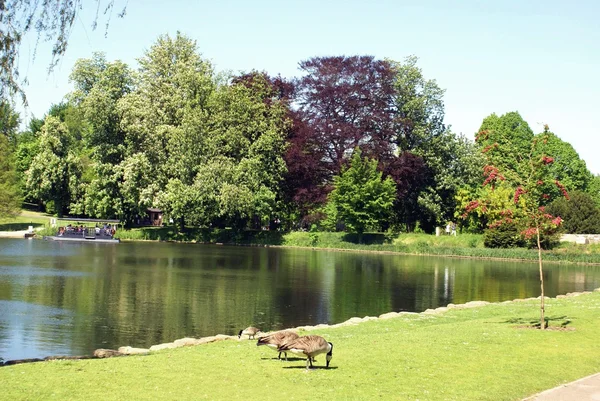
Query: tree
point(52, 20)
point(529, 172)
point(419, 106)
point(347, 102)
point(165, 117)
point(99, 85)
point(363, 199)
point(10, 199)
point(453, 162)
point(567, 166)
point(247, 136)
point(580, 213)
point(9, 122)
point(450, 160)
point(511, 134)
point(54, 171)
point(594, 189)
point(411, 176)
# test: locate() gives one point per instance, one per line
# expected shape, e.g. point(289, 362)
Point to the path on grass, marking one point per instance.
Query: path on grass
point(13, 234)
point(584, 389)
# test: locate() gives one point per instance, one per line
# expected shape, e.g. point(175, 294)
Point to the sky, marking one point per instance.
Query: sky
point(540, 58)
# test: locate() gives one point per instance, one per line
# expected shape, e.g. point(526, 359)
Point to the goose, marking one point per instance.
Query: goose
point(276, 340)
point(249, 331)
point(309, 346)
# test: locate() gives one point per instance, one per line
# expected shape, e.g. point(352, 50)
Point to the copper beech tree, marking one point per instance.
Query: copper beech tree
point(529, 175)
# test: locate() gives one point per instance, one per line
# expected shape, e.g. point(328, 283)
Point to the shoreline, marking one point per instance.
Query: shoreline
point(21, 234)
point(312, 248)
point(353, 321)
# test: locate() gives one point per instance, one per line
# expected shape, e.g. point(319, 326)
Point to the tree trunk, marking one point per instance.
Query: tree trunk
point(542, 308)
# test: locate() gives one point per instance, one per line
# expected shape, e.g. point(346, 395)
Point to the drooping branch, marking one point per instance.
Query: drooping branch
point(51, 20)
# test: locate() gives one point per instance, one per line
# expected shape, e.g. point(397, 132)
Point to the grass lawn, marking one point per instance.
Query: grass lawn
point(23, 221)
point(481, 353)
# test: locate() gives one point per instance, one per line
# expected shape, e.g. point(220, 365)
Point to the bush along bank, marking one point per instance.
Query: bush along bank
point(465, 245)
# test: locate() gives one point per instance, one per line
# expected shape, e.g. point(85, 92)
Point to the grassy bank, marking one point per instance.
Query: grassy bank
point(462, 245)
point(23, 221)
point(482, 353)
point(465, 245)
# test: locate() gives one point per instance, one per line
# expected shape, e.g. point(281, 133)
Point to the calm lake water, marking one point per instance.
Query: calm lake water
point(70, 299)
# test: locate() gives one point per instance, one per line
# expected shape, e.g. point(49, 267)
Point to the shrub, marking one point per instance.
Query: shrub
point(580, 213)
point(503, 236)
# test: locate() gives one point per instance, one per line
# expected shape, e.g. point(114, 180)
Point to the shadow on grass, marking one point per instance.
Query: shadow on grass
point(204, 235)
point(313, 368)
point(18, 226)
point(367, 238)
point(563, 321)
point(292, 359)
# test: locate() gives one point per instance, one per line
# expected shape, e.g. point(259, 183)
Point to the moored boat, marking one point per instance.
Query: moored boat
point(102, 232)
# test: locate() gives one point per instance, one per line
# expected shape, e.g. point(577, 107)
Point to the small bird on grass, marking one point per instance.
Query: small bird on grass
point(249, 331)
point(276, 340)
point(310, 347)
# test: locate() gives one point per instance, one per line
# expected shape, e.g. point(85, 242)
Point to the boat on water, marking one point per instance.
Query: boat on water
point(102, 231)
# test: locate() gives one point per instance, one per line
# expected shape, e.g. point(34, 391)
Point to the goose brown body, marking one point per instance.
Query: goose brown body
point(310, 347)
point(249, 331)
point(277, 339)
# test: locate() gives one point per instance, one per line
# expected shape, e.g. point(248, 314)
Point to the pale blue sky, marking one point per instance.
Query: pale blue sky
point(541, 58)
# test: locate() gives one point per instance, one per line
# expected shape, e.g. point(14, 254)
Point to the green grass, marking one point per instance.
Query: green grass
point(469, 354)
point(464, 245)
point(23, 221)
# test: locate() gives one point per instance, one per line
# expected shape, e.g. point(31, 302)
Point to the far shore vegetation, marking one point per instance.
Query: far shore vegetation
point(483, 353)
point(461, 245)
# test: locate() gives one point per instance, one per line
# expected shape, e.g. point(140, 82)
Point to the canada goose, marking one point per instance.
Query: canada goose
point(249, 331)
point(276, 340)
point(309, 346)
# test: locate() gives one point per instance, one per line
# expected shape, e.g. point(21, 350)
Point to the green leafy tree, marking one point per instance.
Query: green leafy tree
point(362, 197)
point(529, 172)
point(10, 195)
point(580, 213)
point(165, 117)
point(10, 199)
point(9, 122)
point(511, 134)
point(454, 162)
point(567, 166)
point(98, 87)
point(55, 170)
point(27, 147)
point(594, 189)
point(419, 106)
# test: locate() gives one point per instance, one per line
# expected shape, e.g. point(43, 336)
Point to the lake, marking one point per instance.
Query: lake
point(70, 299)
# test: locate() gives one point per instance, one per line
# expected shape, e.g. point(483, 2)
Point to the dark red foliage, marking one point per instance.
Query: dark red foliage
point(547, 160)
point(347, 102)
point(305, 182)
point(520, 191)
point(492, 175)
point(409, 172)
point(562, 189)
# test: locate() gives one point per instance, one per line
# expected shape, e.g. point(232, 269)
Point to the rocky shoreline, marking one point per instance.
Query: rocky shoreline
point(189, 341)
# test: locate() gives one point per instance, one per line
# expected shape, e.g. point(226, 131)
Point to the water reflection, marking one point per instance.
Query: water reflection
point(73, 298)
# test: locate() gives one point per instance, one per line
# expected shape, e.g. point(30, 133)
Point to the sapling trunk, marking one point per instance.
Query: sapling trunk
point(539, 245)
